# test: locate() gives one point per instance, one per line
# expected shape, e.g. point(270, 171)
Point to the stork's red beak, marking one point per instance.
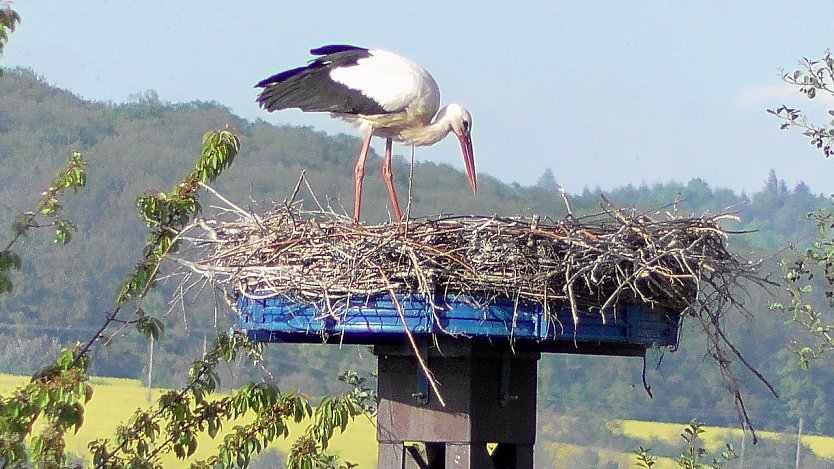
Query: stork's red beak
point(469, 160)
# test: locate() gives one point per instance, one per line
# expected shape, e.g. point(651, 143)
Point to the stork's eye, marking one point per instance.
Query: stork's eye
point(466, 126)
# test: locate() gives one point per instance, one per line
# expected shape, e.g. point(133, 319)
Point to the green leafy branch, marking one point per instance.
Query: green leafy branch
point(72, 176)
point(811, 78)
point(645, 458)
point(166, 214)
point(365, 396)
point(272, 412)
point(219, 149)
point(798, 276)
point(55, 396)
point(308, 451)
point(693, 454)
point(181, 415)
point(8, 20)
point(185, 412)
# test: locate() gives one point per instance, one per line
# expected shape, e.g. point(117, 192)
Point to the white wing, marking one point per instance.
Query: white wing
point(392, 81)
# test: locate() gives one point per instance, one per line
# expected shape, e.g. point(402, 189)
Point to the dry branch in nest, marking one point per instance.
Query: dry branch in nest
point(589, 263)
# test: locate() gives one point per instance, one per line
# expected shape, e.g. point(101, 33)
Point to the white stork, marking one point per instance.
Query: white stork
point(385, 94)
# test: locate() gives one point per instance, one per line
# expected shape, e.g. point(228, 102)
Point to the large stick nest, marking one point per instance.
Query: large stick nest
point(588, 263)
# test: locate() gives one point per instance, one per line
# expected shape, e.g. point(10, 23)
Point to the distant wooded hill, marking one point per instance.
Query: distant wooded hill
point(62, 293)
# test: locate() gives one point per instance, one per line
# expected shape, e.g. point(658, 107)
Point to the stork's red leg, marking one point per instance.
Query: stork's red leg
point(388, 175)
point(359, 174)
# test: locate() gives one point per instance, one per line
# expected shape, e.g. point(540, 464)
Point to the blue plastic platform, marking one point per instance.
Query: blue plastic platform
point(375, 320)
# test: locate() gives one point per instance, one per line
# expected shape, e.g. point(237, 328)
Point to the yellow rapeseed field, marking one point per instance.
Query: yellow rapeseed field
point(115, 400)
point(714, 438)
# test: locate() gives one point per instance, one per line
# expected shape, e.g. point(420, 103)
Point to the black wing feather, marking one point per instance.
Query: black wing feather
point(311, 89)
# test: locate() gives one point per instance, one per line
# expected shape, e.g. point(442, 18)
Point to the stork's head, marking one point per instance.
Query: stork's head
point(461, 121)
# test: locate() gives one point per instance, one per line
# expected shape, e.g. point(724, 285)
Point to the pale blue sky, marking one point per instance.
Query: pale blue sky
point(604, 93)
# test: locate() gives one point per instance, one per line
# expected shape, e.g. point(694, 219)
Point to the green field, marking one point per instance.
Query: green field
point(114, 400)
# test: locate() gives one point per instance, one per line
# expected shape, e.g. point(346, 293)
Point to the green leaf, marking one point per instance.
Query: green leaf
point(9, 260)
point(49, 206)
point(6, 285)
point(65, 359)
point(21, 223)
point(63, 231)
point(150, 327)
point(8, 19)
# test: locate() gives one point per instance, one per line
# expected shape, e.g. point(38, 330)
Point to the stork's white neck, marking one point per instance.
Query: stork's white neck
point(429, 134)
